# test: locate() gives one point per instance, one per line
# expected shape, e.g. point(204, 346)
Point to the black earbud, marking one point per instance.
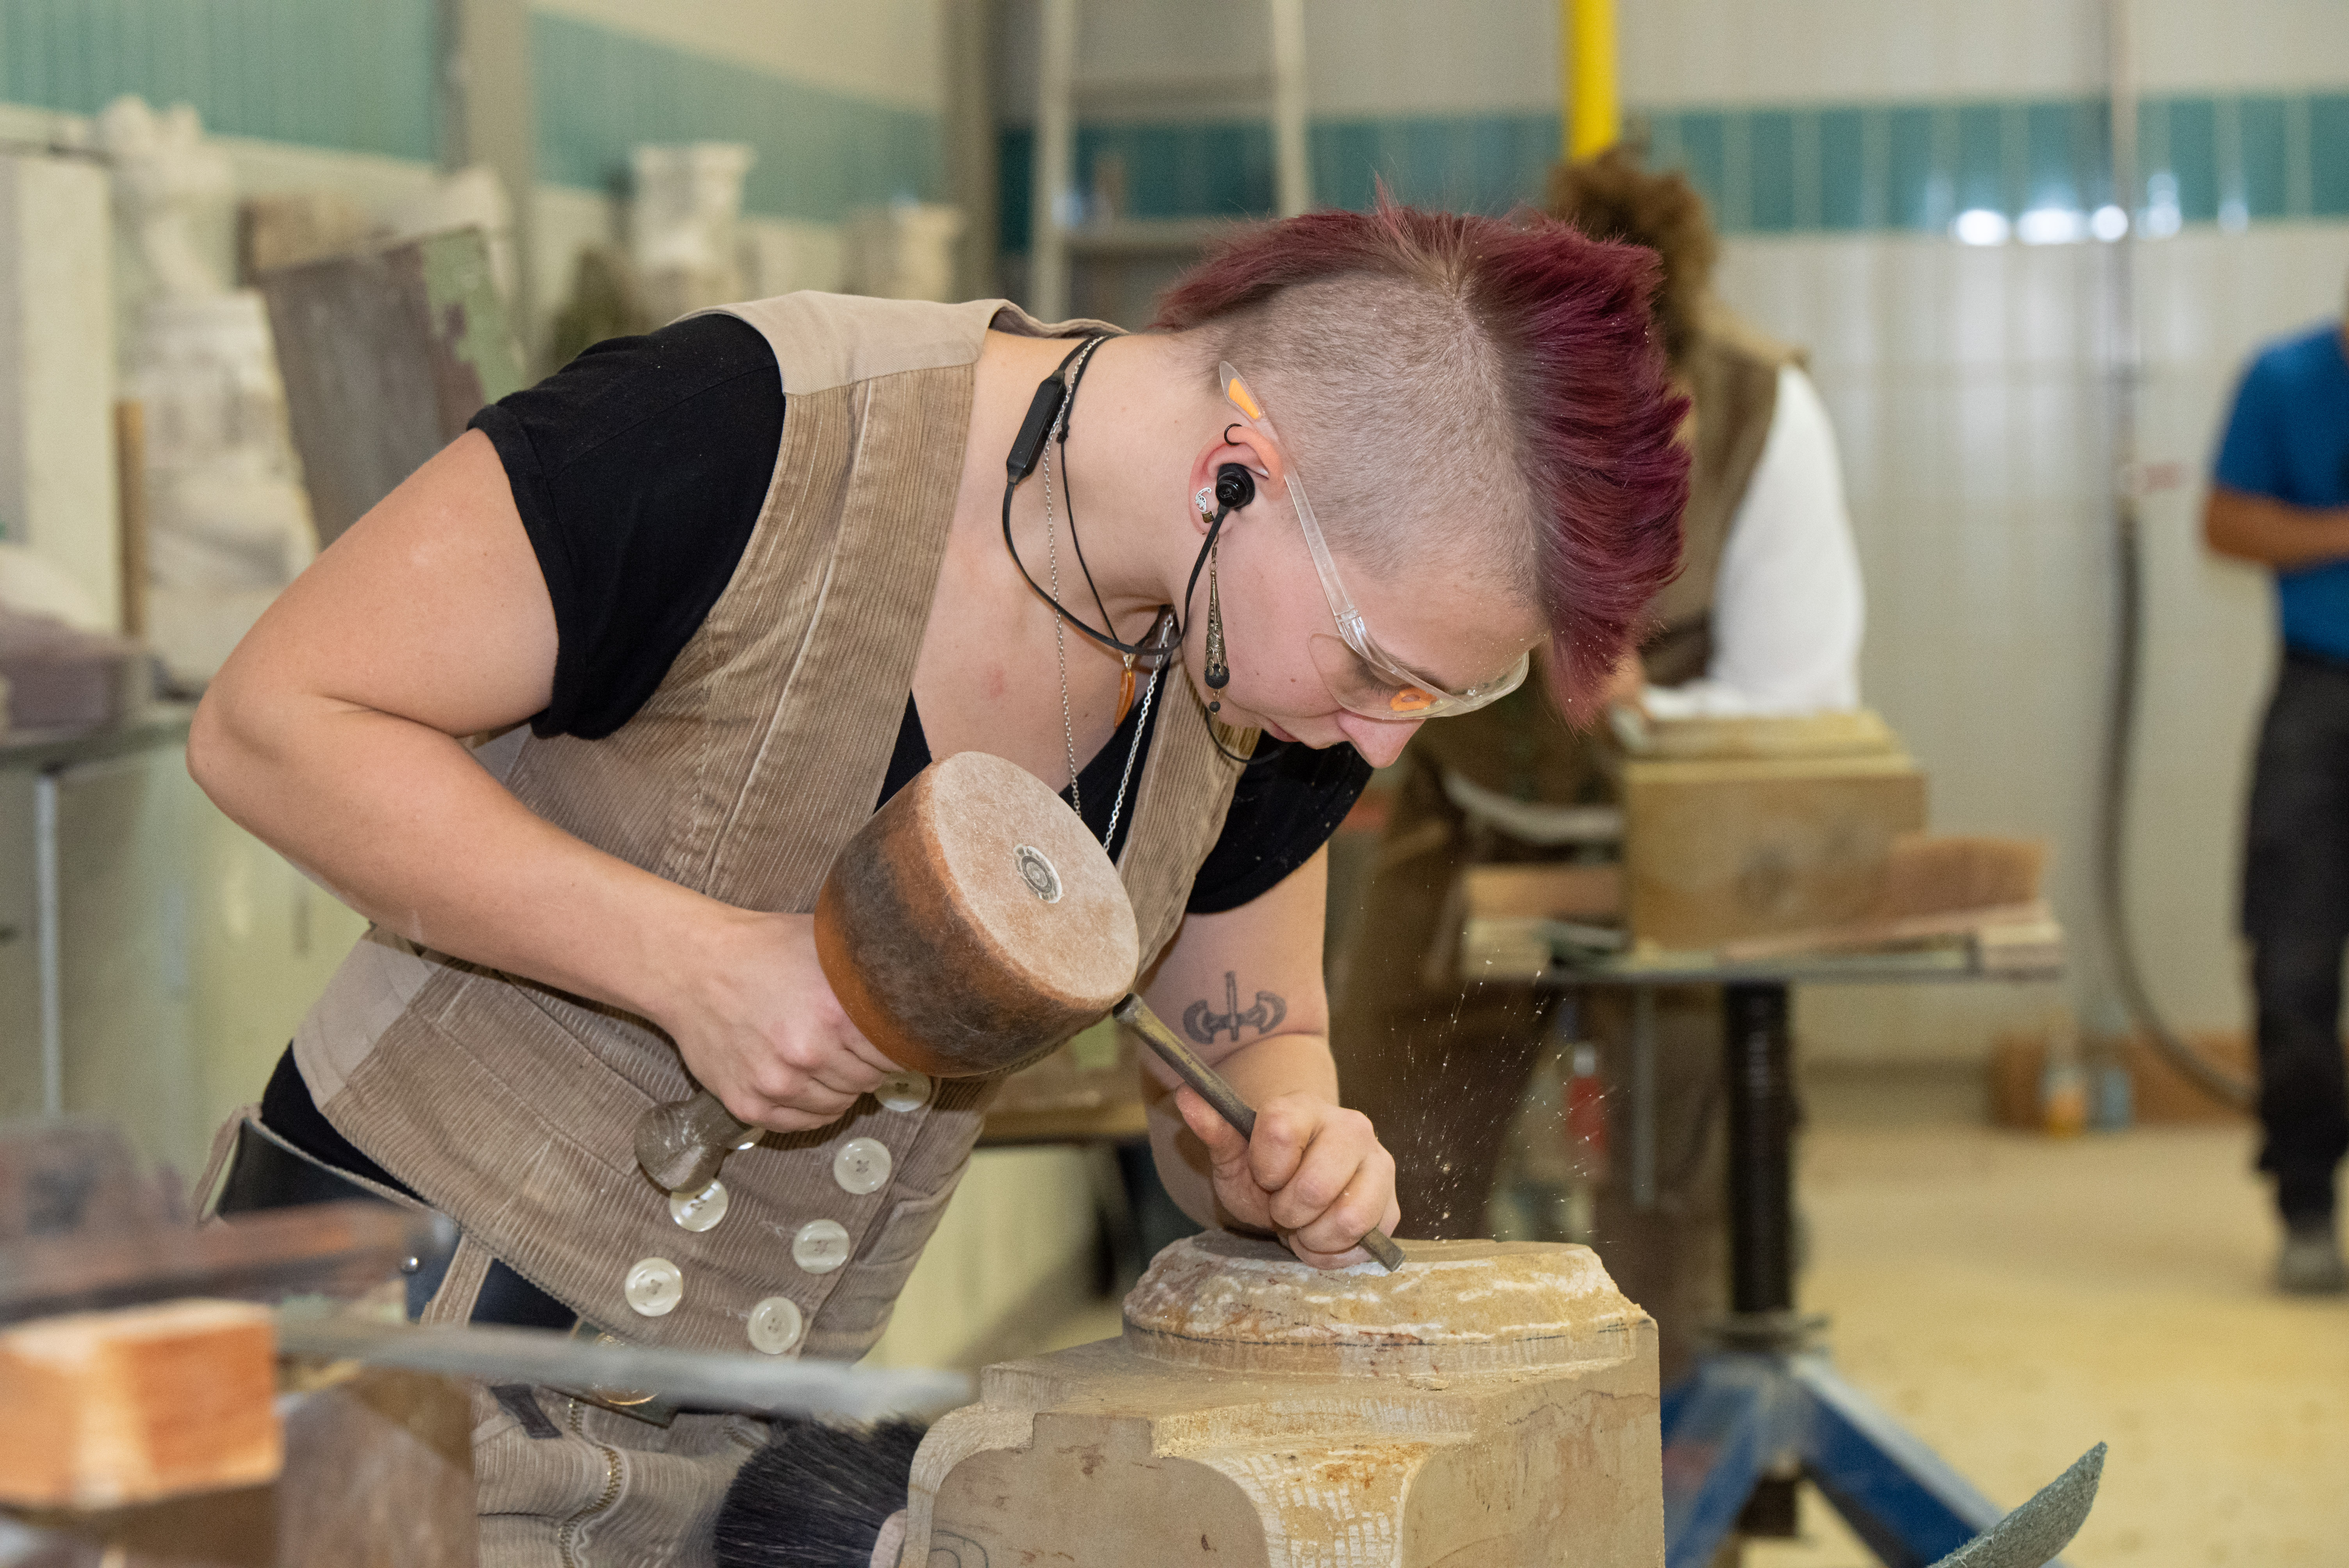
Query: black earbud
point(1234, 487)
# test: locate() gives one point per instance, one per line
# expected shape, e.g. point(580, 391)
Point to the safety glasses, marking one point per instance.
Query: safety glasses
point(1363, 677)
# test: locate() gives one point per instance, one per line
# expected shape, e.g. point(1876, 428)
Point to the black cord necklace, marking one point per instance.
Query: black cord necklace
point(1055, 397)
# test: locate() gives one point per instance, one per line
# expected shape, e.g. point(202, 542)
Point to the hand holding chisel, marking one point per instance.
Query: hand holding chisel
point(1211, 1087)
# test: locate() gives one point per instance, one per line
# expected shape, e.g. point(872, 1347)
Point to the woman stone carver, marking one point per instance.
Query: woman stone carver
point(710, 615)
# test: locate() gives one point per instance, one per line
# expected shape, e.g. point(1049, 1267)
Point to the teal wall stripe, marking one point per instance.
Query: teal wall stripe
point(359, 77)
point(820, 154)
point(325, 73)
point(1829, 168)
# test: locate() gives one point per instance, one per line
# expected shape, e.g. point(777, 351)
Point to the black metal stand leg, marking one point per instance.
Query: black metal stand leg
point(1766, 1398)
point(1759, 1078)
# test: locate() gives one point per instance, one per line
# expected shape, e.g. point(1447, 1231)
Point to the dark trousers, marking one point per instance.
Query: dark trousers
point(2296, 916)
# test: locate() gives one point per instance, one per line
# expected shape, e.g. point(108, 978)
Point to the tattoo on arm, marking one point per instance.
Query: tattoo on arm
point(1202, 1023)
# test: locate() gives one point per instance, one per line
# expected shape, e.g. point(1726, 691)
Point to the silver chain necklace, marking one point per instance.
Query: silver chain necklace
point(1059, 635)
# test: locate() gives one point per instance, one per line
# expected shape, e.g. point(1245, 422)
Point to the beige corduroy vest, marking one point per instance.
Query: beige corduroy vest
point(511, 1106)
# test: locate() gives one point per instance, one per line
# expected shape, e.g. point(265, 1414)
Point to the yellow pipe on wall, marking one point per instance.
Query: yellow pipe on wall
point(1592, 120)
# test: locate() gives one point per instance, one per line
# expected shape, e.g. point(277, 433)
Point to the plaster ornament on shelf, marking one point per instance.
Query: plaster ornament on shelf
point(165, 178)
point(684, 225)
point(228, 524)
point(902, 251)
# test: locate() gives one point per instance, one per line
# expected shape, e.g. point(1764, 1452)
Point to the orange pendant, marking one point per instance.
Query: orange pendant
point(1124, 694)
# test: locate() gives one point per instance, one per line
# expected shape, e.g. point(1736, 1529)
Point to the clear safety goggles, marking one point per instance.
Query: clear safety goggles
point(1363, 677)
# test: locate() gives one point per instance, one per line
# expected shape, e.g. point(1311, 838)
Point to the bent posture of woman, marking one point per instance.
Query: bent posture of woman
point(580, 714)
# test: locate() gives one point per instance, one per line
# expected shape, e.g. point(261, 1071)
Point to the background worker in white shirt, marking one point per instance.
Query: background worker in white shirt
point(1764, 617)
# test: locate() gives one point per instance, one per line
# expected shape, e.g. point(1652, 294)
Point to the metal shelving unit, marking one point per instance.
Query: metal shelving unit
point(1061, 233)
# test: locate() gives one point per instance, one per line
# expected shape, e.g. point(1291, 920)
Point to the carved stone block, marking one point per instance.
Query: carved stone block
point(1490, 1403)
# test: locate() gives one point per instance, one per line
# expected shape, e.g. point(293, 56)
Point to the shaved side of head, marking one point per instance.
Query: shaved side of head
point(1473, 396)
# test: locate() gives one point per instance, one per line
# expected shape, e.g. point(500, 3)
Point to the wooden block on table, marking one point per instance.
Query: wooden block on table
point(115, 1408)
point(1723, 849)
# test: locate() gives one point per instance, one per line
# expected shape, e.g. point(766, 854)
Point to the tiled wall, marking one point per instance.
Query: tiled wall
point(2042, 163)
point(358, 77)
point(601, 91)
point(2232, 158)
point(326, 73)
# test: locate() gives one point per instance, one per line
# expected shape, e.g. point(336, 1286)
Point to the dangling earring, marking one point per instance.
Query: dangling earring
point(1220, 673)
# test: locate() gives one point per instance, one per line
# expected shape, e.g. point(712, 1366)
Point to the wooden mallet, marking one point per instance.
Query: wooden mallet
point(971, 927)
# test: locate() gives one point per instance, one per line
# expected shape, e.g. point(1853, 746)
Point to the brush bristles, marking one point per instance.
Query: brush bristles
point(816, 1496)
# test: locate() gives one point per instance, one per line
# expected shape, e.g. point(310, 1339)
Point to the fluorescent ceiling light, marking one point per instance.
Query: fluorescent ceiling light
point(1981, 226)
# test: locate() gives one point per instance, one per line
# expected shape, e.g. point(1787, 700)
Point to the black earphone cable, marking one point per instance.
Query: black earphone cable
point(1068, 485)
point(1052, 395)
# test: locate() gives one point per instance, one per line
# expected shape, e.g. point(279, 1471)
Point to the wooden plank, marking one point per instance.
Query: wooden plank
point(386, 354)
point(107, 1409)
point(2034, 920)
point(336, 1249)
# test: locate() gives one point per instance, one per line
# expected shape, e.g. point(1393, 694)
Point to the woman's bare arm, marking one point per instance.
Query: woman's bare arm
point(331, 734)
point(1315, 1171)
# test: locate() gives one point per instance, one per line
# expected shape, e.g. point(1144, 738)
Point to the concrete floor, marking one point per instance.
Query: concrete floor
point(2013, 1299)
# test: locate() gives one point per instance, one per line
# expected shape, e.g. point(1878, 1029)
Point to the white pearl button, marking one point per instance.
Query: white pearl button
point(775, 1325)
point(701, 1210)
point(751, 1138)
point(861, 1166)
point(654, 1286)
point(904, 1091)
point(820, 1246)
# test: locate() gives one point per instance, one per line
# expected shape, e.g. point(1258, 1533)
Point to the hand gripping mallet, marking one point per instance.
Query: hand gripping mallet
point(972, 926)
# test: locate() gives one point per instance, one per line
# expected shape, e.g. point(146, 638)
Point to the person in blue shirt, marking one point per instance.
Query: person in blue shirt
point(2279, 497)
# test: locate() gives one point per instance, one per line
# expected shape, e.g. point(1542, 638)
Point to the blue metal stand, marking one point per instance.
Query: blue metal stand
point(1742, 1415)
point(1768, 1405)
